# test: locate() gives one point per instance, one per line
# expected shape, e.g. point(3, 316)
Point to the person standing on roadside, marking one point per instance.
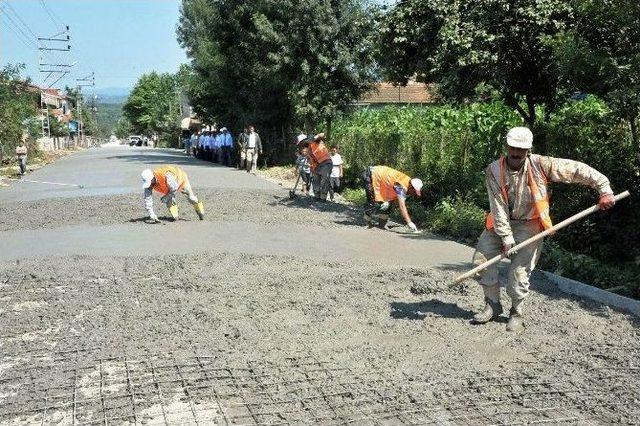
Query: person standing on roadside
point(21, 155)
point(241, 144)
point(517, 186)
point(337, 172)
point(253, 149)
point(302, 164)
point(226, 141)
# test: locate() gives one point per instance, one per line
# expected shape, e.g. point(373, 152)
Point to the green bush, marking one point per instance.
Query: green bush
point(621, 278)
point(457, 218)
point(355, 195)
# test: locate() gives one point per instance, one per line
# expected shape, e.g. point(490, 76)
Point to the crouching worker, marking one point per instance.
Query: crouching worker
point(167, 180)
point(517, 186)
point(385, 185)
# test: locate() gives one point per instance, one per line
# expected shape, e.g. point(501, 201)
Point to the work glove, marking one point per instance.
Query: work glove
point(505, 250)
point(412, 226)
point(384, 206)
point(606, 201)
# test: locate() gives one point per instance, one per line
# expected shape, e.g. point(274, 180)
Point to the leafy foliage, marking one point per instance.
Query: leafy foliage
point(17, 106)
point(281, 65)
point(153, 107)
point(477, 48)
point(600, 54)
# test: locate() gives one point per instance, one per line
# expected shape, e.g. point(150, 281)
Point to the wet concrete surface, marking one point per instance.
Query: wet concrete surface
point(273, 311)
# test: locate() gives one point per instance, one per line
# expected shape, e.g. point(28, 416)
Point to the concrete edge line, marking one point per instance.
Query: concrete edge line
point(577, 288)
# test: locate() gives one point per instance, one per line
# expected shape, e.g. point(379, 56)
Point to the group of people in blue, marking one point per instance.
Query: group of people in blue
point(212, 145)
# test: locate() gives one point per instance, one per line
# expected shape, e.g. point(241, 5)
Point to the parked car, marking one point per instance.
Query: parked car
point(135, 140)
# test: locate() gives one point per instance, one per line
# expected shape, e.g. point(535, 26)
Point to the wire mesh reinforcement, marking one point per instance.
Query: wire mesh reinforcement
point(76, 389)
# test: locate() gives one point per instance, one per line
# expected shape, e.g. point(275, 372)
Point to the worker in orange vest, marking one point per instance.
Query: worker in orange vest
point(320, 164)
point(167, 180)
point(517, 186)
point(385, 185)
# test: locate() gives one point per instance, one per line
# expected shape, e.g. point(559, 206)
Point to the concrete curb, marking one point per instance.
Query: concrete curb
point(583, 290)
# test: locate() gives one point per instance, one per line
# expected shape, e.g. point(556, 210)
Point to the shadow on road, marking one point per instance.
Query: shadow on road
point(161, 157)
point(420, 310)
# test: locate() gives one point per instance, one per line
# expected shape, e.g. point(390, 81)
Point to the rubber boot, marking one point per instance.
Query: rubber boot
point(199, 207)
point(492, 308)
point(383, 219)
point(173, 210)
point(516, 322)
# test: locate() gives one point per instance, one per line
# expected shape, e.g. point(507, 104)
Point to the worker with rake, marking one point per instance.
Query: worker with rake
point(383, 186)
point(517, 186)
point(320, 164)
point(167, 180)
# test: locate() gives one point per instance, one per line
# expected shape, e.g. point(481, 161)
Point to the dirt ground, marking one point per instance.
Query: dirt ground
point(225, 339)
point(288, 337)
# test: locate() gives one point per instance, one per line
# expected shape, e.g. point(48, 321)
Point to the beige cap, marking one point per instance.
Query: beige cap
point(520, 137)
point(147, 177)
point(417, 185)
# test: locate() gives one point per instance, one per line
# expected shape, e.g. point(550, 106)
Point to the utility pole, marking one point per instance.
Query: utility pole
point(54, 69)
point(88, 81)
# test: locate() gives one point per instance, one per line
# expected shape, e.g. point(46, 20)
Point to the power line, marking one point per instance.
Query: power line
point(52, 15)
point(20, 19)
point(19, 37)
point(17, 26)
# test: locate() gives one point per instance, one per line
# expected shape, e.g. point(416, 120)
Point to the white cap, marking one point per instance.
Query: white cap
point(520, 137)
point(417, 185)
point(147, 177)
point(301, 137)
point(224, 129)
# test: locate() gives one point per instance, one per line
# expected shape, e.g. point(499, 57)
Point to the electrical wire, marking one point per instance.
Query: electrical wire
point(56, 21)
point(17, 26)
point(20, 19)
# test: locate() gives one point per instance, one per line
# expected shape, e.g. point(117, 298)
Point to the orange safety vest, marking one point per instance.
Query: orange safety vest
point(318, 154)
point(160, 174)
point(382, 180)
point(537, 183)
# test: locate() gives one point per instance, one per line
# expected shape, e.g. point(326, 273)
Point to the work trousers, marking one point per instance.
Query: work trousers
point(321, 181)
point(22, 162)
point(170, 198)
point(522, 263)
point(334, 186)
point(252, 159)
point(226, 154)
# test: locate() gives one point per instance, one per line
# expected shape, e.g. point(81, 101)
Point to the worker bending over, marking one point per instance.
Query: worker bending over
point(383, 186)
point(167, 180)
point(517, 186)
point(320, 164)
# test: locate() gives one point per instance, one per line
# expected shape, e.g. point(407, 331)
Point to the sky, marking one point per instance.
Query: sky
point(119, 40)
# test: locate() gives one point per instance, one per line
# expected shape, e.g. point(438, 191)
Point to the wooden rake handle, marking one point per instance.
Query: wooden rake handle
point(535, 238)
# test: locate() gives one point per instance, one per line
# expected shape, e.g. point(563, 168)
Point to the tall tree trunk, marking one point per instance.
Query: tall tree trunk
point(633, 123)
point(531, 113)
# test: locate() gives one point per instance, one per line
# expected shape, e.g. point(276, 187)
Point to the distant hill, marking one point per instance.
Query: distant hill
point(113, 95)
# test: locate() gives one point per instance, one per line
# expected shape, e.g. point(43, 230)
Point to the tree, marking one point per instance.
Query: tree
point(471, 47)
point(17, 106)
point(279, 63)
point(600, 54)
point(123, 128)
point(153, 106)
